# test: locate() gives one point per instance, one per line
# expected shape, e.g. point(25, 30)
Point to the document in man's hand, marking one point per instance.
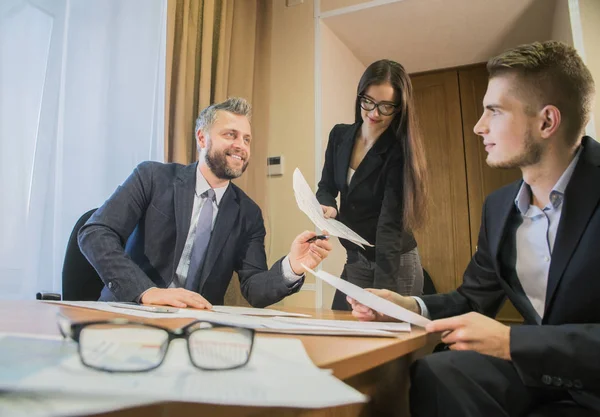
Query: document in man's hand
point(371, 300)
point(308, 203)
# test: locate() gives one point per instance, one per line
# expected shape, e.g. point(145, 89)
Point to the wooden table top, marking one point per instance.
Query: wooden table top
point(346, 356)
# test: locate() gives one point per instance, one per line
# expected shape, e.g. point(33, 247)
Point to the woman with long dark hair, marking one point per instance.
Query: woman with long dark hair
point(377, 165)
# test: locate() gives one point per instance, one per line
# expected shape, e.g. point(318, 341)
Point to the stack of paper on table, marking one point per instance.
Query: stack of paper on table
point(43, 404)
point(249, 311)
point(349, 324)
point(45, 366)
point(263, 324)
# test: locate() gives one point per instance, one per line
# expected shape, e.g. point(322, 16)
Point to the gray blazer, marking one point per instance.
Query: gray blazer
point(136, 238)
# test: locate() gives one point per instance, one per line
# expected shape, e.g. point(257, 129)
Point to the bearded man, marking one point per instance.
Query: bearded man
point(174, 234)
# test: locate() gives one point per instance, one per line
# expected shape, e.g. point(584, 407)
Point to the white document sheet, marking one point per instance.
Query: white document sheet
point(371, 300)
point(104, 306)
point(182, 312)
point(263, 324)
point(308, 203)
point(38, 404)
point(45, 404)
point(349, 324)
point(249, 311)
point(279, 374)
point(273, 325)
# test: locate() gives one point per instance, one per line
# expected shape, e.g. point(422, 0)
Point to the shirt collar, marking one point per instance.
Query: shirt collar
point(523, 199)
point(202, 186)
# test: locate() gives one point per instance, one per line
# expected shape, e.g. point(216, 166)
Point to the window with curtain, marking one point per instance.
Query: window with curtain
point(81, 104)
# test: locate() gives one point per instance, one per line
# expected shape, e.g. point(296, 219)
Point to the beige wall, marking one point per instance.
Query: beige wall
point(291, 126)
point(561, 24)
point(590, 25)
point(329, 5)
point(340, 73)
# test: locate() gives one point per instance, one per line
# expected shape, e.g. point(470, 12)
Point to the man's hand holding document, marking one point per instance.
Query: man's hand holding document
point(371, 300)
point(308, 203)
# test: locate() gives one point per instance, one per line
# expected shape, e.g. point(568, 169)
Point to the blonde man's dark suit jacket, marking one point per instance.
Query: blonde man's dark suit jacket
point(562, 353)
point(136, 238)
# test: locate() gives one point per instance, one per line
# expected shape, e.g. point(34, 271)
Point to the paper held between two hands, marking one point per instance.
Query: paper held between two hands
point(370, 300)
point(308, 203)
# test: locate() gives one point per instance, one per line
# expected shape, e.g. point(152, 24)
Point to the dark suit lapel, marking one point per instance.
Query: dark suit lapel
point(497, 230)
point(183, 199)
point(507, 253)
point(344, 154)
point(373, 159)
point(226, 217)
point(501, 230)
point(580, 201)
point(370, 163)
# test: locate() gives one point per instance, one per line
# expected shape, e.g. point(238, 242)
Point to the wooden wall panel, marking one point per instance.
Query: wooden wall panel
point(481, 179)
point(444, 243)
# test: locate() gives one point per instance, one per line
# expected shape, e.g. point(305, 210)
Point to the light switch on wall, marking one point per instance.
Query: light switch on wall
point(290, 3)
point(274, 166)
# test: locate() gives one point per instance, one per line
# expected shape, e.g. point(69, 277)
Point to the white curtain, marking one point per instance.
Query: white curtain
point(81, 103)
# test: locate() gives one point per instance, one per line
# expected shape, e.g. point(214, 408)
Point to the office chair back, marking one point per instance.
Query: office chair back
point(80, 281)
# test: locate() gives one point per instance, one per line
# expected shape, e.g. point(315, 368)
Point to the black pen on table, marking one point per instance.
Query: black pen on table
point(317, 237)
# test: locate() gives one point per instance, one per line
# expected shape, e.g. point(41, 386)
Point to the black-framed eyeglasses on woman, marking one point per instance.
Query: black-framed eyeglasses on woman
point(384, 107)
point(121, 345)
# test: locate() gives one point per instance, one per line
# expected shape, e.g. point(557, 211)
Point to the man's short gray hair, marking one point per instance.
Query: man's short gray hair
point(235, 105)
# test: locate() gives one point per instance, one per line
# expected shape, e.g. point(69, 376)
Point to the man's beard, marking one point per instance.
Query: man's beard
point(217, 162)
point(531, 155)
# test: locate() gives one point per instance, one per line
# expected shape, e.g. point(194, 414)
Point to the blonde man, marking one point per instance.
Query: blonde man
point(538, 247)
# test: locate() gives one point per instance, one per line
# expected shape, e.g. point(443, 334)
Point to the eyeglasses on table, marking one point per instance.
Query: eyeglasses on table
point(121, 345)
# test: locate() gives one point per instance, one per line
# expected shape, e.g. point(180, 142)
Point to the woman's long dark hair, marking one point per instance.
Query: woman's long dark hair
point(407, 132)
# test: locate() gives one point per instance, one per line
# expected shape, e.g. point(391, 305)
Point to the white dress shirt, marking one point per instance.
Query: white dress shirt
point(350, 175)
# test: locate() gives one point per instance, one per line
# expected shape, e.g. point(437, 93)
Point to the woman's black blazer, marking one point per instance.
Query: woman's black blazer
point(372, 204)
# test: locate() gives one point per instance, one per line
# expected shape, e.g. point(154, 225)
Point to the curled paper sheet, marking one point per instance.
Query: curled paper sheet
point(371, 300)
point(308, 203)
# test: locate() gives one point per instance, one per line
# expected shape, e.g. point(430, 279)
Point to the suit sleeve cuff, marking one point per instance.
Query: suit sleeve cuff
point(139, 298)
point(288, 273)
point(423, 307)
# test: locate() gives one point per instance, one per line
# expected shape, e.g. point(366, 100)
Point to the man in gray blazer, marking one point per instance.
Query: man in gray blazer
point(174, 235)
